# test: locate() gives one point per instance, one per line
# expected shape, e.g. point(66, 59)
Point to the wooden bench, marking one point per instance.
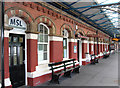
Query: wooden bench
point(105, 55)
point(63, 67)
point(95, 59)
point(92, 60)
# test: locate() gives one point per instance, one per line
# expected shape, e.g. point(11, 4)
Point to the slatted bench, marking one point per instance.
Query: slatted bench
point(63, 67)
point(105, 55)
point(92, 60)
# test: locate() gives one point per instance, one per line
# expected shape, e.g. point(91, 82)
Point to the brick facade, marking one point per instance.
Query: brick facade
point(34, 14)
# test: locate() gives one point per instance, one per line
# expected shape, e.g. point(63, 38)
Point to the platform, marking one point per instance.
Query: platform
point(104, 73)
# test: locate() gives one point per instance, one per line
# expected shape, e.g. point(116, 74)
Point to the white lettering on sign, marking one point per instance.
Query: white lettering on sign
point(16, 22)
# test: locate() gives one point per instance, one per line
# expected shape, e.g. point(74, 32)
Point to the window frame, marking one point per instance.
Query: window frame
point(43, 43)
point(66, 37)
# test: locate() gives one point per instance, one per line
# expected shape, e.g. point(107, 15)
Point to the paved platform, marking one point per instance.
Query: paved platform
point(104, 73)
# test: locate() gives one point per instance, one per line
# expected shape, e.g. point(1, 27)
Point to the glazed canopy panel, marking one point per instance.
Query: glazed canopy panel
point(94, 16)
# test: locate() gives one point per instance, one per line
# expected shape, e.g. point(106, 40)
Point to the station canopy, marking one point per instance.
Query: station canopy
point(101, 14)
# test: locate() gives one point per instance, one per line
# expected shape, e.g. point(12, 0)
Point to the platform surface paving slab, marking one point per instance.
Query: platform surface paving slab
point(104, 73)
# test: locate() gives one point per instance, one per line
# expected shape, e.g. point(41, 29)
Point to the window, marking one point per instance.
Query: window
point(65, 44)
point(43, 44)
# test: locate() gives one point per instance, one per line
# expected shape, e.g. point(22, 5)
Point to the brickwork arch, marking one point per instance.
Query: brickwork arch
point(21, 13)
point(46, 20)
point(90, 33)
point(68, 28)
point(80, 31)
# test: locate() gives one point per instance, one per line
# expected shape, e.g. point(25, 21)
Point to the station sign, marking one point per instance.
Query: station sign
point(17, 22)
point(117, 35)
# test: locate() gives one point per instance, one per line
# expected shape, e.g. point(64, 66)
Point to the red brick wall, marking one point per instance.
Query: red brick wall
point(95, 49)
point(84, 50)
point(71, 50)
point(56, 51)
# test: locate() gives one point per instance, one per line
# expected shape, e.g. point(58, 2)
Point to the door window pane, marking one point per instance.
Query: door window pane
point(15, 50)
point(45, 30)
point(9, 56)
point(21, 55)
point(45, 47)
point(41, 29)
point(46, 38)
point(40, 38)
point(9, 39)
point(40, 47)
point(45, 56)
point(15, 59)
point(15, 56)
point(14, 39)
point(21, 39)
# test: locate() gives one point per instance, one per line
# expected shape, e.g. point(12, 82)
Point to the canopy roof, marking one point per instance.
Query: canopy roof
point(92, 13)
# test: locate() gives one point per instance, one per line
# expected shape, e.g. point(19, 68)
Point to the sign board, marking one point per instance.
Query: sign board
point(75, 49)
point(117, 35)
point(17, 22)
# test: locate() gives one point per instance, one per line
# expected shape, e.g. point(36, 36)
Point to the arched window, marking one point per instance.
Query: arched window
point(43, 44)
point(65, 43)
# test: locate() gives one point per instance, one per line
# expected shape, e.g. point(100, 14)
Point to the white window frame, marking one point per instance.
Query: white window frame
point(48, 57)
point(67, 43)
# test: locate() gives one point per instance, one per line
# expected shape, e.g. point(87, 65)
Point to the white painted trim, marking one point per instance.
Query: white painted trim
point(7, 82)
point(55, 38)
point(95, 42)
point(99, 43)
point(101, 54)
point(84, 41)
point(32, 36)
point(88, 58)
point(83, 59)
point(92, 42)
point(96, 56)
point(6, 33)
point(26, 81)
point(72, 40)
point(43, 70)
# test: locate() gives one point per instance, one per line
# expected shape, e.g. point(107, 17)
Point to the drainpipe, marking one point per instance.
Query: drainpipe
point(97, 42)
point(109, 45)
point(2, 43)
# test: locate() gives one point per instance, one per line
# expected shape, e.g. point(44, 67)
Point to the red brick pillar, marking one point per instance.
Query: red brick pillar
point(56, 49)
point(103, 47)
point(6, 59)
point(72, 46)
point(32, 58)
point(84, 51)
point(95, 48)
